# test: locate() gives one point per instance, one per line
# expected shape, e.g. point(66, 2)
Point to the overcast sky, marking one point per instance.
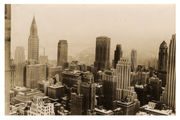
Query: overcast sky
point(140, 27)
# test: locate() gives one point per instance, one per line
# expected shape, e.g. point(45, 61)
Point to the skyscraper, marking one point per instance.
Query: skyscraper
point(162, 62)
point(102, 53)
point(123, 71)
point(7, 56)
point(62, 53)
point(109, 88)
point(133, 60)
point(33, 43)
point(19, 66)
point(169, 94)
point(118, 53)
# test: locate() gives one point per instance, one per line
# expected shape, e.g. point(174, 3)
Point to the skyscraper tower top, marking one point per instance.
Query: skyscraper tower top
point(163, 45)
point(33, 44)
point(33, 30)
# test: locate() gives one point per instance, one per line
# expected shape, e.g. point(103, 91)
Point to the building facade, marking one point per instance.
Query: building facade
point(33, 43)
point(62, 53)
point(102, 57)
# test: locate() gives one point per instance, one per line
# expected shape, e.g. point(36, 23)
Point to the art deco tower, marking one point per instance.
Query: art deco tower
point(169, 94)
point(102, 53)
point(62, 53)
point(133, 60)
point(162, 62)
point(33, 43)
point(117, 55)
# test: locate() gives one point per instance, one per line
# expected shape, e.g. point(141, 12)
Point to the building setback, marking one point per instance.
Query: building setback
point(62, 53)
point(102, 58)
point(169, 94)
point(33, 43)
point(162, 62)
point(118, 53)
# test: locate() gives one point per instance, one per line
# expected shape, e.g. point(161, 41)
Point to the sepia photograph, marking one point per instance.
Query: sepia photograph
point(90, 59)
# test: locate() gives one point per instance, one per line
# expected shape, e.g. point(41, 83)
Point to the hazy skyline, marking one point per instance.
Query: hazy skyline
point(140, 27)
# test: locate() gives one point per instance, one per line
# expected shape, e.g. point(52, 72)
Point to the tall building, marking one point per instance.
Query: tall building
point(169, 94)
point(109, 88)
point(88, 90)
point(76, 104)
point(133, 60)
point(35, 74)
point(19, 60)
point(102, 58)
point(162, 62)
point(118, 53)
point(33, 43)
point(7, 56)
point(62, 53)
point(123, 71)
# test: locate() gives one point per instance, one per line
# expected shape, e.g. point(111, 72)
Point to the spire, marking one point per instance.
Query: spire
point(33, 30)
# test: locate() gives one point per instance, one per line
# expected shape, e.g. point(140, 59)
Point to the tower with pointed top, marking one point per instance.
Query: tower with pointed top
point(33, 43)
point(162, 62)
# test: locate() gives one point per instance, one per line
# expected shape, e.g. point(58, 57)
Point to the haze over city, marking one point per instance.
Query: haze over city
point(140, 27)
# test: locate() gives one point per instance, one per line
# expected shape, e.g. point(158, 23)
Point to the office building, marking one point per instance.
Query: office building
point(35, 74)
point(7, 56)
point(76, 104)
point(33, 44)
point(102, 55)
point(109, 88)
point(133, 60)
point(118, 53)
point(19, 60)
point(162, 62)
point(62, 53)
point(169, 94)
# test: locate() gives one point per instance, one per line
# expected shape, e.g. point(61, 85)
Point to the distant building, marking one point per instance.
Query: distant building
point(140, 78)
point(102, 58)
point(118, 53)
point(33, 43)
point(52, 71)
point(76, 104)
point(43, 60)
point(62, 53)
point(35, 74)
point(19, 61)
point(40, 107)
point(169, 94)
point(133, 60)
point(109, 88)
point(162, 62)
